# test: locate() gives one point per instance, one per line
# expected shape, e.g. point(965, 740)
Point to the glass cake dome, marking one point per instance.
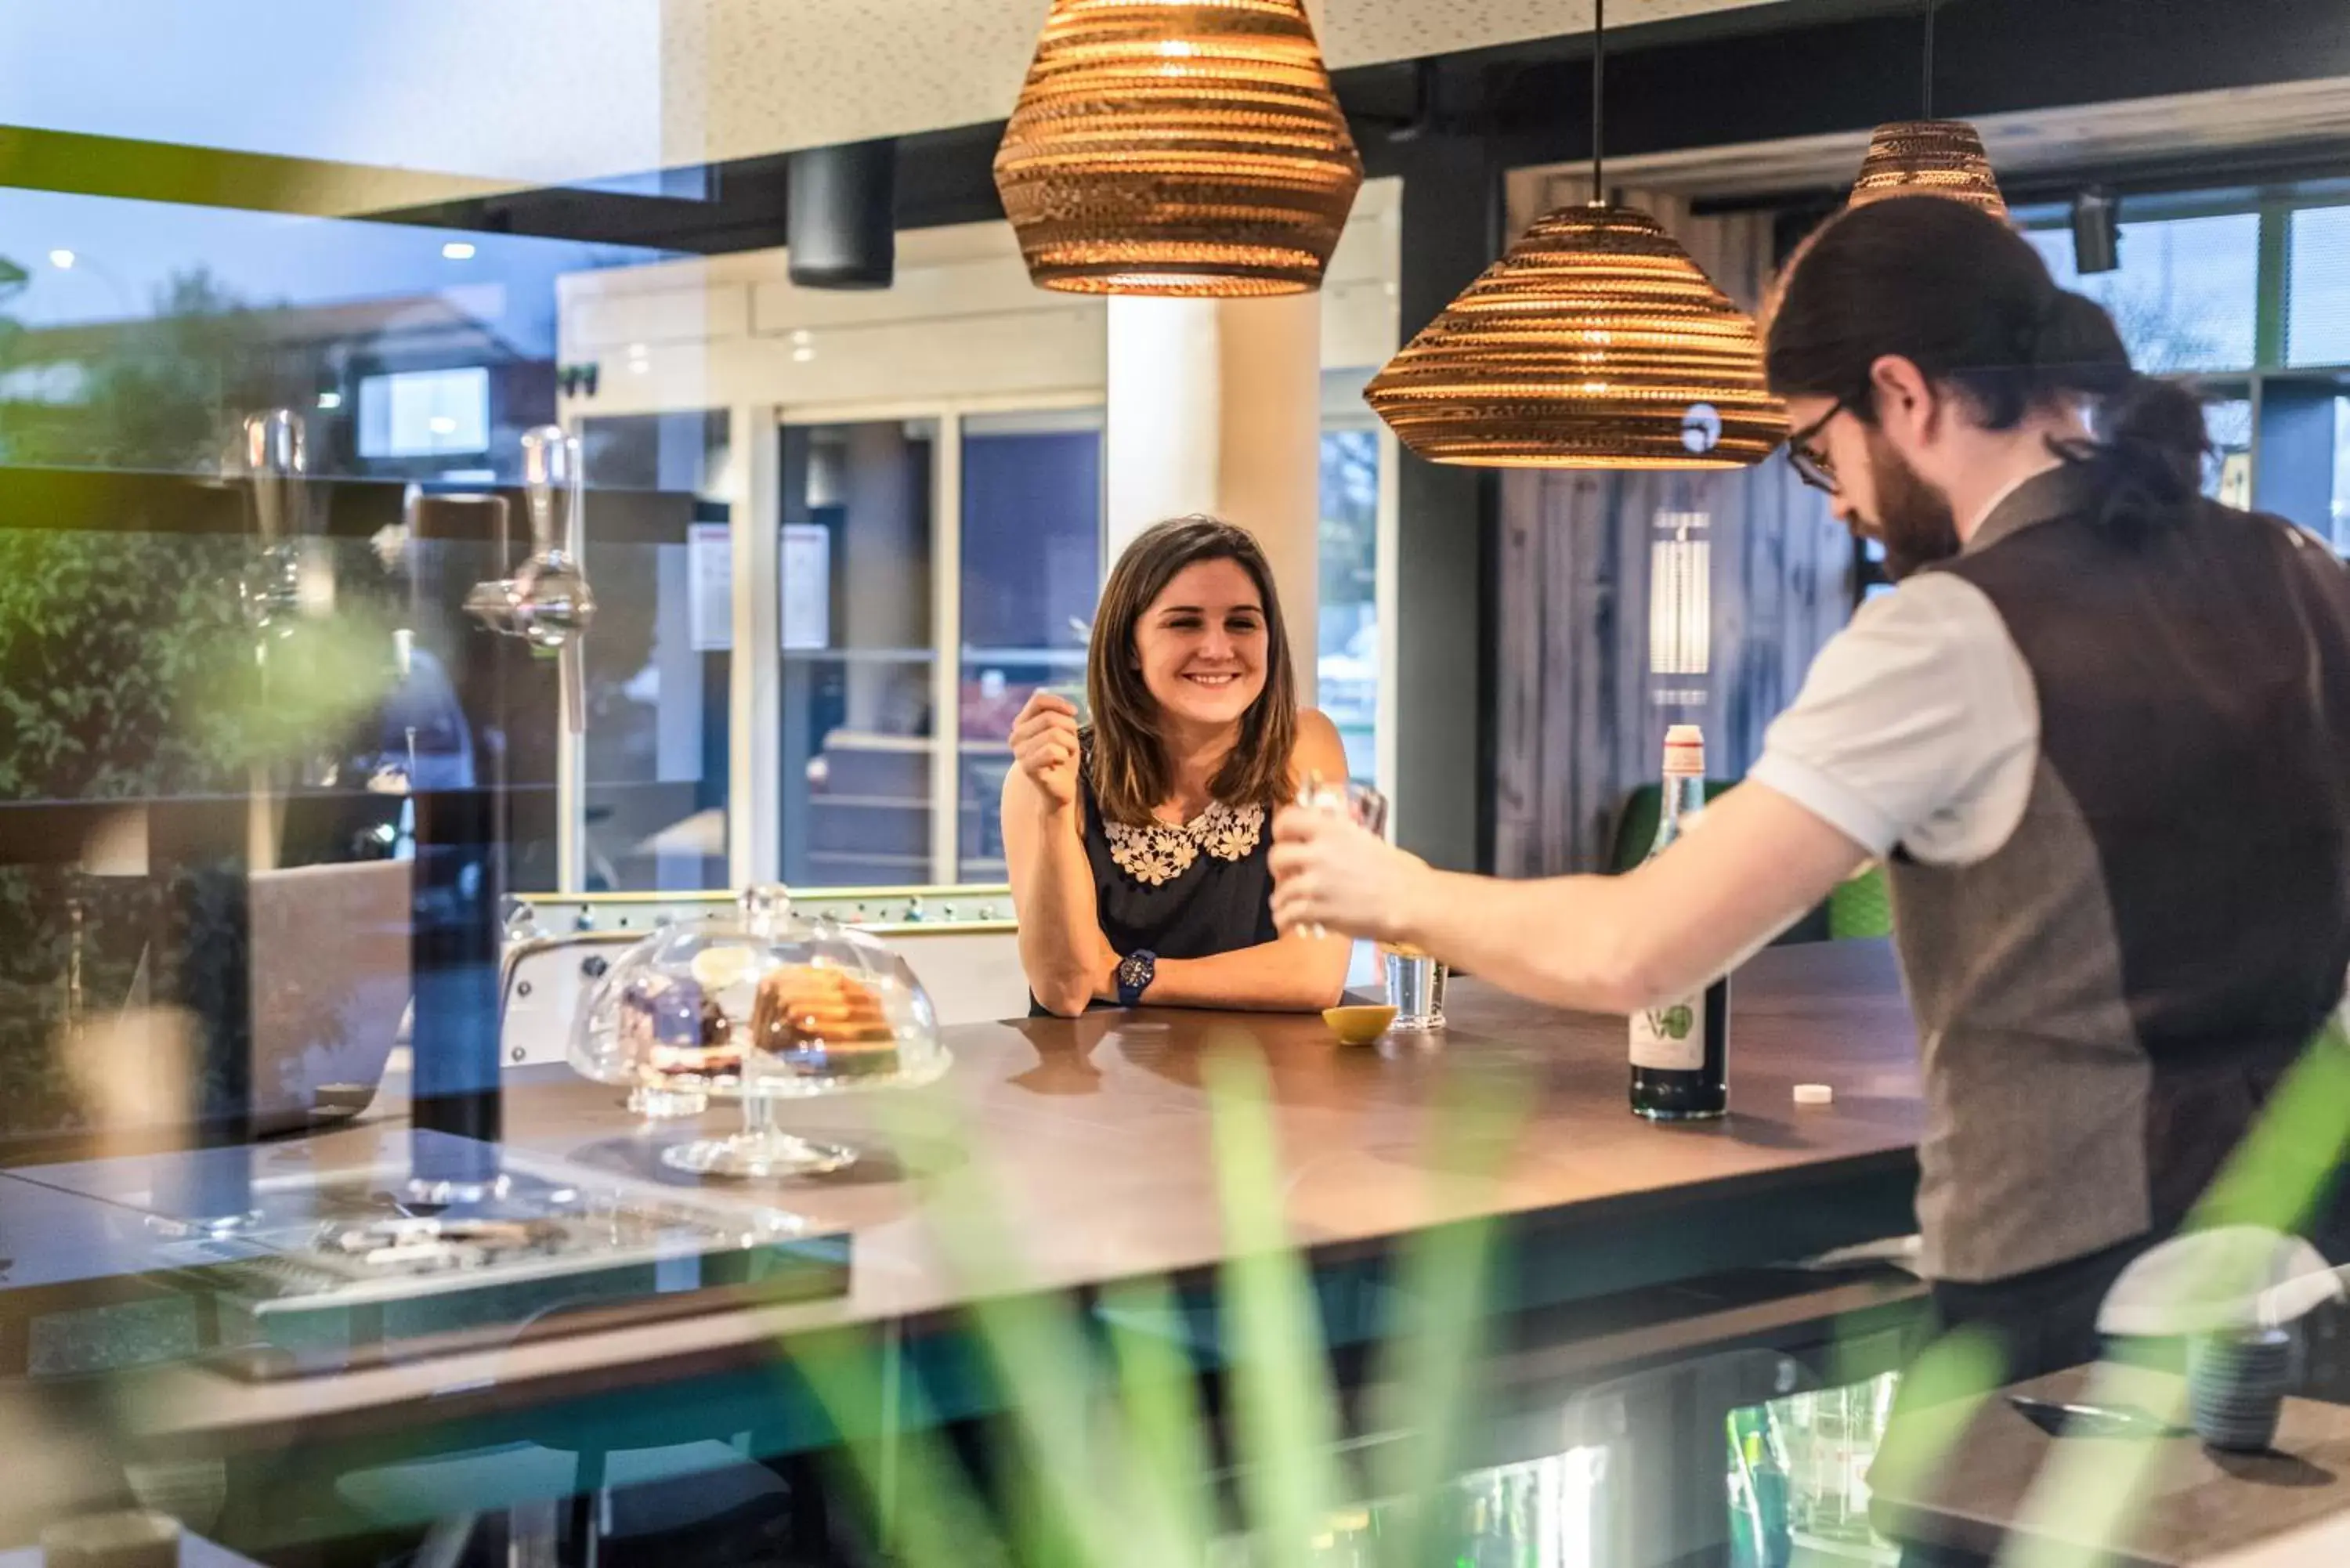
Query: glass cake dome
point(764, 1005)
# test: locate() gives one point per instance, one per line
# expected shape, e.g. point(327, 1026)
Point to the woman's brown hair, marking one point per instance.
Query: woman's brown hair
point(1130, 773)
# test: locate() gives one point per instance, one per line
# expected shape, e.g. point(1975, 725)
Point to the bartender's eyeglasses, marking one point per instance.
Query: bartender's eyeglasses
point(1810, 463)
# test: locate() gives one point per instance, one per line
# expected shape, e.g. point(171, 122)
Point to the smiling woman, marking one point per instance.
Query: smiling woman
point(1137, 843)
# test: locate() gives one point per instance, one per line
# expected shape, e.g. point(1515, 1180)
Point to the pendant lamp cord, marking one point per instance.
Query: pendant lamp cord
point(1928, 94)
point(1598, 102)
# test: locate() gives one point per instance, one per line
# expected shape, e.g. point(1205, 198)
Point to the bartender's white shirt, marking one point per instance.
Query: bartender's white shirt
point(1917, 726)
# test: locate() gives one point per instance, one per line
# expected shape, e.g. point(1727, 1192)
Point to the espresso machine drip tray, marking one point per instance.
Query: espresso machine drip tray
point(337, 1271)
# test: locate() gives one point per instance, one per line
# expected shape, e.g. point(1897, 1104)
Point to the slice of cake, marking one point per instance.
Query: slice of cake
point(823, 1022)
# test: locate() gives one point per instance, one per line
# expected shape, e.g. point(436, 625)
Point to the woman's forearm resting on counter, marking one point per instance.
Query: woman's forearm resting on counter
point(1755, 863)
point(1293, 974)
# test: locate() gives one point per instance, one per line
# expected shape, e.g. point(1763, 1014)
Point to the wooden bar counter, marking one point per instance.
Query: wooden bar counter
point(1094, 1136)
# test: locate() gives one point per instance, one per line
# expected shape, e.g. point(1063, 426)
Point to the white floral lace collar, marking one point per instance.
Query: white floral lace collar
point(1155, 853)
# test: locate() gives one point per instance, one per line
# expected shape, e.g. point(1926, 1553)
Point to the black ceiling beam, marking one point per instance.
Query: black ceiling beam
point(943, 177)
point(1991, 57)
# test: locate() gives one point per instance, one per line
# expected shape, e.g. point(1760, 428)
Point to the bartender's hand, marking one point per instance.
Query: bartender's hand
point(1329, 872)
point(1045, 747)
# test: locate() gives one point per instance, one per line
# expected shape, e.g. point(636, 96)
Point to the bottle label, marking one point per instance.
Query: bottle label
point(1670, 1036)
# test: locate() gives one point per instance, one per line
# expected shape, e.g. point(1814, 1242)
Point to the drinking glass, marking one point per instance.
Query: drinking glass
point(1367, 807)
point(1415, 988)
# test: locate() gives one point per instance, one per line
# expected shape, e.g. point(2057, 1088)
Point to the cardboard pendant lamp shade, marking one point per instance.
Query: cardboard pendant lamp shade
point(1929, 158)
point(1165, 149)
point(1595, 343)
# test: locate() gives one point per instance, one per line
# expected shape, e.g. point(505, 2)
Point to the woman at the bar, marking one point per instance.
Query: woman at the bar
point(1138, 843)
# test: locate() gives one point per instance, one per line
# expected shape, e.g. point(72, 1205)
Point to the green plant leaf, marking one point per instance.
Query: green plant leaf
point(1285, 1408)
point(1427, 1368)
point(922, 1508)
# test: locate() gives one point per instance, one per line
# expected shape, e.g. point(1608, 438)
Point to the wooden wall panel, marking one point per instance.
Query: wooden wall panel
point(1581, 716)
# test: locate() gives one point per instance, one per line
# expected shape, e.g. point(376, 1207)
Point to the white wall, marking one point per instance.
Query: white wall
point(961, 323)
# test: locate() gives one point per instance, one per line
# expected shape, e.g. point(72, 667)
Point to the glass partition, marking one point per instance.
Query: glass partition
point(654, 764)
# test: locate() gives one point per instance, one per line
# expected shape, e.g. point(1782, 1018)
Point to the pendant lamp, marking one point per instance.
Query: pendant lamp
point(1595, 342)
point(1178, 148)
point(1928, 157)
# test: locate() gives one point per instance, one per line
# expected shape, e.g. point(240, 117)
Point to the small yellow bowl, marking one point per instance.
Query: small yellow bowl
point(1359, 1025)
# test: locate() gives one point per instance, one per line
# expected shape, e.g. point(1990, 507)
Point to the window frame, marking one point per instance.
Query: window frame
point(762, 855)
point(2271, 302)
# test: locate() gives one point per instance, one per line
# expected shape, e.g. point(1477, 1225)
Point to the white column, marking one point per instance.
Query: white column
point(1214, 406)
point(754, 490)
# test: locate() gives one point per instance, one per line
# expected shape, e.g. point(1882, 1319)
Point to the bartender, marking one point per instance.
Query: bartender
point(2100, 733)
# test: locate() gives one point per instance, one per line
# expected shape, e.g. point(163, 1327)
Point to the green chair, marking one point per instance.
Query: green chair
point(1861, 905)
point(1857, 908)
point(1636, 823)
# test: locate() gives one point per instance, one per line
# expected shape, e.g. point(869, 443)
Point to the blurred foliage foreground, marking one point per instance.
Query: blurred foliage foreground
point(1106, 1457)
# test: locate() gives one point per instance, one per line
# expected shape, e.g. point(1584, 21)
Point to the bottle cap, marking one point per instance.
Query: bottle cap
point(1815, 1094)
point(1685, 750)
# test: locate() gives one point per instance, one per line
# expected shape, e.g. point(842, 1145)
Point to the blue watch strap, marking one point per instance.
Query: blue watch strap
point(1136, 970)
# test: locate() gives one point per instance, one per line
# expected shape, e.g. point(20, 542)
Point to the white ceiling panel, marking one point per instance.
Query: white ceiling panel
point(548, 92)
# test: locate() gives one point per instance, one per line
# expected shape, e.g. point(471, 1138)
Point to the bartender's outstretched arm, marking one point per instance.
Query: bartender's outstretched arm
point(1753, 866)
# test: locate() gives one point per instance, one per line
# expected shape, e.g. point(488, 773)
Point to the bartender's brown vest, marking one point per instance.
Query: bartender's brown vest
point(2107, 999)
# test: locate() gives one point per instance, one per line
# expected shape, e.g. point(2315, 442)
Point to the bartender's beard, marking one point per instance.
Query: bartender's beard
point(1913, 518)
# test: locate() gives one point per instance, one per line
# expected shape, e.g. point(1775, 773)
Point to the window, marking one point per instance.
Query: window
point(2317, 310)
point(2254, 305)
point(2341, 475)
point(2185, 295)
point(425, 413)
point(1032, 568)
point(2227, 467)
point(1347, 640)
point(860, 739)
point(875, 790)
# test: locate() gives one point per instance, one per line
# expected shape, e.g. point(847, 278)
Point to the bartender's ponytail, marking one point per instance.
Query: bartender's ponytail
point(1968, 302)
point(2148, 433)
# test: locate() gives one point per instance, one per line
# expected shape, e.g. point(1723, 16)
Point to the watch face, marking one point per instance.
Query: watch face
point(1135, 972)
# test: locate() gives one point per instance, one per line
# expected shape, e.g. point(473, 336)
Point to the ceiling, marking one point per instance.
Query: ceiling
point(541, 92)
point(893, 67)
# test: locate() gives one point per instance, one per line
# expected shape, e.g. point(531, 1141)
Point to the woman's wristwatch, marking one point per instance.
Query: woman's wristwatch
point(1136, 970)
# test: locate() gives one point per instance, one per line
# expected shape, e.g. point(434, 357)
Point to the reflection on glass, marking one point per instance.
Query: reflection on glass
point(1032, 568)
point(1799, 1475)
point(858, 655)
point(658, 662)
point(138, 333)
point(1541, 1513)
point(2185, 294)
point(1347, 640)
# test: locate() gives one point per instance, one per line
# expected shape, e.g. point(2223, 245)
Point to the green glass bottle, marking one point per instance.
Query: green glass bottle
point(1681, 1048)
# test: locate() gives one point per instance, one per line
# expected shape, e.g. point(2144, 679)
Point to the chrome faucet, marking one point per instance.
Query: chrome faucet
point(548, 601)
